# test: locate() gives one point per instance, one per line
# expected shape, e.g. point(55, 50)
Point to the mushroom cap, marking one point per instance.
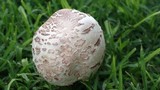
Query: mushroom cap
point(68, 47)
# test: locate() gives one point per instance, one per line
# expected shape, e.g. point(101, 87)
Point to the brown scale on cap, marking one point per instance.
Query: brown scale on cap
point(93, 51)
point(84, 56)
point(45, 34)
point(37, 39)
point(68, 47)
point(79, 42)
point(33, 51)
point(54, 43)
point(88, 29)
point(37, 50)
point(97, 42)
point(94, 66)
point(44, 49)
point(41, 31)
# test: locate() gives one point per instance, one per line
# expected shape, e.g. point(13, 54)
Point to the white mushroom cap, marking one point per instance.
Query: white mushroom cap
point(68, 47)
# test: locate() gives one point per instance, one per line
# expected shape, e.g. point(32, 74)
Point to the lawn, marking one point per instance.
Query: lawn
point(132, 34)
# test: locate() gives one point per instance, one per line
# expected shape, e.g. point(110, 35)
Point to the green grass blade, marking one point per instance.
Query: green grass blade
point(10, 83)
point(151, 55)
point(148, 17)
point(114, 70)
point(126, 57)
point(9, 49)
point(120, 79)
point(65, 4)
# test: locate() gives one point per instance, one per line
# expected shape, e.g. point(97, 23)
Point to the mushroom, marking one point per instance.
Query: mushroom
point(68, 47)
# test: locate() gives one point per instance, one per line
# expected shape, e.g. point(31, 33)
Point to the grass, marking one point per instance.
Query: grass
point(132, 34)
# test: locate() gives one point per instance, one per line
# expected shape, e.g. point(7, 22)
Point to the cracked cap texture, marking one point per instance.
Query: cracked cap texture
point(68, 47)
